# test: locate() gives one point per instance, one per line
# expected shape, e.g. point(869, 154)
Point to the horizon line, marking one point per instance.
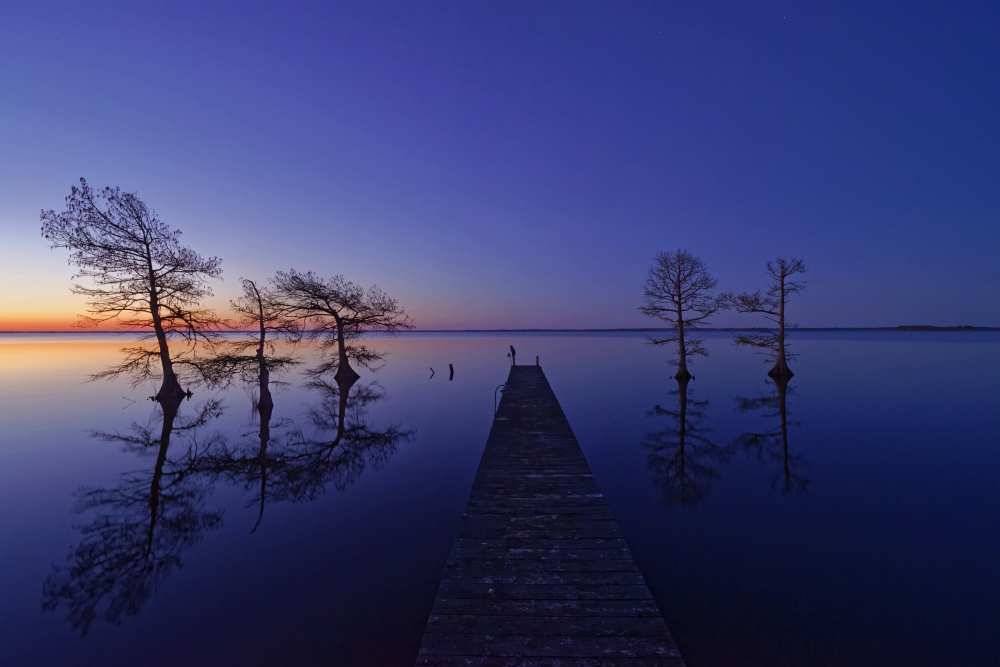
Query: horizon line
point(897, 327)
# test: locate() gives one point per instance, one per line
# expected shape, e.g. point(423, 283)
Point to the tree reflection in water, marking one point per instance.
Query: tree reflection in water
point(284, 464)
point(773, 444)
point(139, 528)
point(681, 458)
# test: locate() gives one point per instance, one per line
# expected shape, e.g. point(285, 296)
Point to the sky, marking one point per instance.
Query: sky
point(508, 164)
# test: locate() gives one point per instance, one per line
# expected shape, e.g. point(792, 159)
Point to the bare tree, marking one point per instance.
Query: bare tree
point(336, 312)
point(679, 292)
point(771, 305)
point(140, 276)
point(252, 359)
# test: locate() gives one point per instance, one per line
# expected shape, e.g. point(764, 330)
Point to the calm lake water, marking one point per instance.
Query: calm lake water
point(865, 534)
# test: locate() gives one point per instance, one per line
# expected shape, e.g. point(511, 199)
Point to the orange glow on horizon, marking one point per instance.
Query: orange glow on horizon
point(73, 323)
point(61, 322)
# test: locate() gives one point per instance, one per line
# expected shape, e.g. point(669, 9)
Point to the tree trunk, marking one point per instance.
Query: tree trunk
point(682, 367)
point(265, 404)
point(170, 387)
point(345, 374)
point(780, 370)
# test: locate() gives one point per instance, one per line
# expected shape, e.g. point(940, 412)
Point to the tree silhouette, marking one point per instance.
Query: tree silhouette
point(681, 458)
point(772, 305)
point(139, 275)
point(337, 312)
point(774, 444)
point(679, 292)
point(139, 528)
point(253, 359)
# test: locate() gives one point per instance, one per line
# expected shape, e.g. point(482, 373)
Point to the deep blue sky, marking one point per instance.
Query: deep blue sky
point(519, 164)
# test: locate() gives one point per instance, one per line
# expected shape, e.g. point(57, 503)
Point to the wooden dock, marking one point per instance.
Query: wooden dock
point(540, 573)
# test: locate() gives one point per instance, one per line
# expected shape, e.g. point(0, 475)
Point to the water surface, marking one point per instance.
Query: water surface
point(861, 533)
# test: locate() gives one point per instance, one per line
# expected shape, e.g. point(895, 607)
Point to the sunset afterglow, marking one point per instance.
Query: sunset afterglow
point(491, 181)
point(559, 333)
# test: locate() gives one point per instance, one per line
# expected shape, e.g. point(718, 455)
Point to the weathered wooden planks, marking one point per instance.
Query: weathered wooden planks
point(540, 573)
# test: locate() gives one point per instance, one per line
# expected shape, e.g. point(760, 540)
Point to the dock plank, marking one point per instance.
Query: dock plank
point(540, 573)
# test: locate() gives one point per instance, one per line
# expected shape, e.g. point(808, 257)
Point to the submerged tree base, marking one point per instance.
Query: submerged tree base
point(265, 403)
point(781, 372)
point(171, 392)
point(170, 403)
point(346, 375)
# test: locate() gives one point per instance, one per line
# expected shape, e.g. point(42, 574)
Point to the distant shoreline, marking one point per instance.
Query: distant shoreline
point(906, 328)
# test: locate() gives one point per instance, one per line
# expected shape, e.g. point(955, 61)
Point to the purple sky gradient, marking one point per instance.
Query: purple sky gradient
point(519, 164)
